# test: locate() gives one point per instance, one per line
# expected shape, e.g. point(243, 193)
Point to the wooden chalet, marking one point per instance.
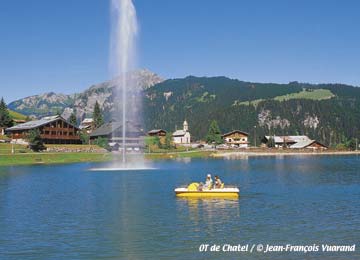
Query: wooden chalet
point(113, 132)
point(311, 144)
point(157, 132)
point(236, 138)
point(285, 141)
point(295, 142)
point(53, 130)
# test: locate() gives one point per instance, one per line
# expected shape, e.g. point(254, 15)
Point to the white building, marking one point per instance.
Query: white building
point(87, 125)
point(236, 138)
point(182, 136)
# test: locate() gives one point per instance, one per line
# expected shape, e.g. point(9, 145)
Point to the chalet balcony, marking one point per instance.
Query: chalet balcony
point(70, 129)
point(60, 137)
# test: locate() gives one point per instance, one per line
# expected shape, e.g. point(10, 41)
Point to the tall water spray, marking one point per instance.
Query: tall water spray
point(124, 29)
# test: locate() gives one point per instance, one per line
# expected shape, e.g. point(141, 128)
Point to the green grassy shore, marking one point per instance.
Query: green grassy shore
point(52, 158)
point(90, 153)
point(79, 153)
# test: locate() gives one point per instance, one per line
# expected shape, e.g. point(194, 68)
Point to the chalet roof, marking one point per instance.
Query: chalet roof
point(304, 144)
point(109, 128)
point(37, 123)
point(155, 131)
point(179, 133)
point(106, 129)
point(289, 139)
point(84, 126)
point(87, 121)
point(235, 131)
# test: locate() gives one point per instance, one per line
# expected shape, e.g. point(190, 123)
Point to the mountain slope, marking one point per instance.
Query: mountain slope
point(329, 113)
point(82, 103)
point(331, 120)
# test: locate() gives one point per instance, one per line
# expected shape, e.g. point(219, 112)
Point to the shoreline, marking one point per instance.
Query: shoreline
point(279, 153)
point(46, 158)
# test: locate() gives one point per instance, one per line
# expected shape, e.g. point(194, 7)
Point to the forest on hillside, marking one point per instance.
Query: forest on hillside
point(332, 120)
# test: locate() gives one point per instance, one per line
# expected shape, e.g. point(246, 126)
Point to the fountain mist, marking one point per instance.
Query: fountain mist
point(122, 57)
point(127, 101)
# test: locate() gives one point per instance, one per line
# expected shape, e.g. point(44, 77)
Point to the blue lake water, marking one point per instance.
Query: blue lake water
point(68, 212)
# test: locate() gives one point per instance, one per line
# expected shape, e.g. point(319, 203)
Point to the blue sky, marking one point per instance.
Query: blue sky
point(63, 46)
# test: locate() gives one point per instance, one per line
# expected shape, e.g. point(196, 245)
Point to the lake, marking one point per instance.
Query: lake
point(68, 212)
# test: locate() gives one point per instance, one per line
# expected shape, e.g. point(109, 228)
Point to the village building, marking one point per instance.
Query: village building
point(53, 130)
point(294, 142)
point(157, 132)
point(87, 125)
point(311, 144)
point(236, 138)
point(113, 133)
point(285, 141)
point(19, 121)
point(182, 136)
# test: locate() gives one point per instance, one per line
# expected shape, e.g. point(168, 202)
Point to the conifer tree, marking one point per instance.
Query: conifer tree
point(97, 116)
point(214, 134)
point(72, 119)
point(5, 118)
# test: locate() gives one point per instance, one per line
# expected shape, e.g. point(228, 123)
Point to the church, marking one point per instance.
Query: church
point(182, 136)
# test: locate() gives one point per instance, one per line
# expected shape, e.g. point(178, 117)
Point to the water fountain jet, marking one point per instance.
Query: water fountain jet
point(127, 92)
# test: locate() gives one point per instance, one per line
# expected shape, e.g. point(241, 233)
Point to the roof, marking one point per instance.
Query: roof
point(109, 128)
point(87, 120)
point(179, 133)
point(235, 131)
point(289, 139)
point(155, 131)
point(304, 144)
point(106, 129)
point(84, 126)
point(37, 123)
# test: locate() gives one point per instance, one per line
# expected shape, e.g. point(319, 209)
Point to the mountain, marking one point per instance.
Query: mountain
point(329, 113)
point(82, 103)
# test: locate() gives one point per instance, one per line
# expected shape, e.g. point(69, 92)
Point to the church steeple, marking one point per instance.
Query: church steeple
point(186, 126)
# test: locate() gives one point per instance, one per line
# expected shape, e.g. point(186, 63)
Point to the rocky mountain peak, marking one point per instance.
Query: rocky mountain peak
point(83, 103)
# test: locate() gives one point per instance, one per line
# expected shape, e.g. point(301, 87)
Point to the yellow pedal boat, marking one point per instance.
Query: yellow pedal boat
point(192, 191)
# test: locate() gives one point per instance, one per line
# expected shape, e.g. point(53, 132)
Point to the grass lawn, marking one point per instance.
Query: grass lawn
point(24, 156)
point(5, 148)
point(190, 154)
point(51, 158)
point(316, 94)
point(16, 115)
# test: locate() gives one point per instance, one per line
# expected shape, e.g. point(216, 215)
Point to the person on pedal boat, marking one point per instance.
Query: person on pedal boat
point(218, 183)
point(208, 183)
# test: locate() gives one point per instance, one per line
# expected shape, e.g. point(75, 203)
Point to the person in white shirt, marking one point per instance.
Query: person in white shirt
point(208, 183)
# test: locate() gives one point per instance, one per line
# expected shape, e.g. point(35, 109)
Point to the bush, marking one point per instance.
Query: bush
point(84, 137)
point(35, 142)
point(271, 142)
point(102, 142)
point(351, 144)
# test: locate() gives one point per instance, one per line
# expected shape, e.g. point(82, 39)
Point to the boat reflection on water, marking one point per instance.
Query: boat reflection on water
point(212, 211)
